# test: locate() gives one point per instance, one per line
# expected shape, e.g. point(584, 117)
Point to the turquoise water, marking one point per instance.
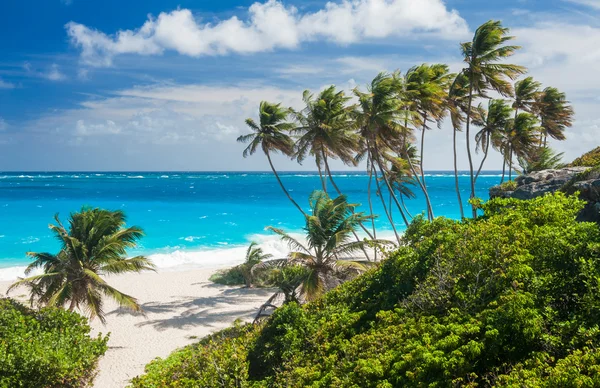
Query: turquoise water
point(184, 212)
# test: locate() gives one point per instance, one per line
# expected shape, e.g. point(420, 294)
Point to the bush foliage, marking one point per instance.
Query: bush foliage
point(511, 299)
point(589, 159)
point(46, 348)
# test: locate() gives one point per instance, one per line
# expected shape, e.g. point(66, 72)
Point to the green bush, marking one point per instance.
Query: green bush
point(510, 299)
point(508, 186)
point(228, 277)
point(589, 159)
point(46, 348)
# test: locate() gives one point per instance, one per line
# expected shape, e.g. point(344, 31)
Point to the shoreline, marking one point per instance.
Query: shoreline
point(181, 306)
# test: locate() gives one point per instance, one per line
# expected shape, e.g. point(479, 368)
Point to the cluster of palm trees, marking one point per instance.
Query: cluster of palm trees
point(379, 128)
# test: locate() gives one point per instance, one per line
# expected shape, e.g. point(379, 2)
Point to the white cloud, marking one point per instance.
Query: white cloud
point(271, 25)
point(54, 74)
point(589, 3)
point(6, 85)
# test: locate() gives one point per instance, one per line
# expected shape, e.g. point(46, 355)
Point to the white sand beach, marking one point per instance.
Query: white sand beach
point(180, 307)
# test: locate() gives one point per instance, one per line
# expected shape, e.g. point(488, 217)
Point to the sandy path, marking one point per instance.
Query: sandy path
point(180, 308)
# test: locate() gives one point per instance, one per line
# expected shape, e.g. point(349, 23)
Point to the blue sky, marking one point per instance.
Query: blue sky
point(166, 85)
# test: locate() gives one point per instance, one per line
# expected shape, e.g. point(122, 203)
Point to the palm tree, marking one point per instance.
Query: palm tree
point(377, 118)
point(458, 96)
point(254, 255)
point(426, 90)
point(484, 57)
point(326, 131)
point(492, 123)
point(329, 251)
point(519, 138)
point(94, 245)
point(541, 158)
point(555, 114)
point(288, 281)
point(271, 134)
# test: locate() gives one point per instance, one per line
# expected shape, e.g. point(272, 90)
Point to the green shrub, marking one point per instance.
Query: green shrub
point(46, 348)
point(508, 186)
point(510, 299)
point(228, 277)
point(589, 159)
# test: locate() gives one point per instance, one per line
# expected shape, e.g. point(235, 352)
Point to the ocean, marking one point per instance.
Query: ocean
point(190, 218)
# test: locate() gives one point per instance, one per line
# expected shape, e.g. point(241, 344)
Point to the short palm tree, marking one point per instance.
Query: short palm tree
point(486, 70)
point(326, 131)
point(329, 251)
point(94, 245)
point(541, 158)
point(555, 114)
point(271, 135)
point(254, 256)
point(492, 122)
point(519, 139)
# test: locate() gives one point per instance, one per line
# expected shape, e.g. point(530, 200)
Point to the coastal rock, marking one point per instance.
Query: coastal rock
point(541, 182)
point(584, 180)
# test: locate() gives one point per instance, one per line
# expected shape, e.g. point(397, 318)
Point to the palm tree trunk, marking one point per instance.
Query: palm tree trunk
point(460, 204)
point(503, 169)
point(485, 155)
point(510, 164)
point(370, 171)
point(429, 209)
point(387, 182)
point(545, 140)
point(387, 213)
point(468, 135)
point(390, 206)
point(430, 215)
point(323, 180)
point(403, 205)
point(282, 186)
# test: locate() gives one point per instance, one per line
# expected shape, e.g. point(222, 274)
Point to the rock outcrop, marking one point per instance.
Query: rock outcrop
point(585, 180)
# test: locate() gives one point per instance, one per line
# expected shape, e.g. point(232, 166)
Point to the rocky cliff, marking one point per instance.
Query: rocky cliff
point(584, 180)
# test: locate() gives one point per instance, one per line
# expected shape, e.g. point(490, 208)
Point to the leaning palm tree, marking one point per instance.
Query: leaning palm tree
point(94, 245)
point(458, 97)
point(541, 158)
point(326, 132)
point(329, 253)
point(254, 256)
point(492, 122)
point(377, 116)
point(271, 135)
point(555, 114)
point(486, 71)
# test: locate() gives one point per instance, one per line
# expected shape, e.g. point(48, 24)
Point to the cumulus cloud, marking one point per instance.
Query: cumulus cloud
point(270, 25)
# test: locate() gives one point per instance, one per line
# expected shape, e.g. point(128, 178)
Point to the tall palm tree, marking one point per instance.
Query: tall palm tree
point(271, 135)
point(329, 251)
point(254, 256)
point(94, 245)
point(525, 96)
point(486, 71)
point(377, 117)
point(326, 131)
point(519, 138)
point(492, 123)
point(555, 114)
point(426, 90)
point(458, 97)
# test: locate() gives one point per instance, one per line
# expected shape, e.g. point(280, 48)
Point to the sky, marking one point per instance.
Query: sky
point(166, 85)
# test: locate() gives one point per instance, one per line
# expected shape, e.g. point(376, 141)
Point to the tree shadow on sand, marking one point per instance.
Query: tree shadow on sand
point(192, 311)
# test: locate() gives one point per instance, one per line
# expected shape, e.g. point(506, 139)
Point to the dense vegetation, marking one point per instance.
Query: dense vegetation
point(46, 348)
point(509, 299)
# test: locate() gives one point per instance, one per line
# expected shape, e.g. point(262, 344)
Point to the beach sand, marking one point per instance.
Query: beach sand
point(180, 307)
